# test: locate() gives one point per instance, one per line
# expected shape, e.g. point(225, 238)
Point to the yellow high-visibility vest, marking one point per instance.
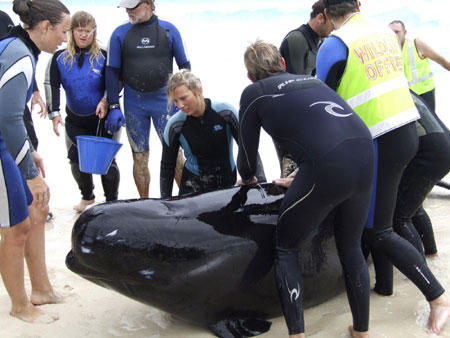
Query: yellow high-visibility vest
point(374, 83)
point(417, 70)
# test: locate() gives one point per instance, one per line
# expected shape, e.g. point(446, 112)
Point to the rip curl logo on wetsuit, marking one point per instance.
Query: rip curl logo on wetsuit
point(329, 108)
point(294, 293)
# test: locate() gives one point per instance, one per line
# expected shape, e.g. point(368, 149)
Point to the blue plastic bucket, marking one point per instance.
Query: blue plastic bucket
point(96, 153)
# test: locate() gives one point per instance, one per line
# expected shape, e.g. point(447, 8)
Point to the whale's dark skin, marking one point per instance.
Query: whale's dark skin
point(205, 258)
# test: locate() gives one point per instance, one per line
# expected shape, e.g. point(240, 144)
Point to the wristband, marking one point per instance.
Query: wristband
point(114, 106)
point(104, 102)
point(54, 114)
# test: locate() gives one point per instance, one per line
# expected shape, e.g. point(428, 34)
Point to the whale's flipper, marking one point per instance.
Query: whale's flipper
point(240, 327)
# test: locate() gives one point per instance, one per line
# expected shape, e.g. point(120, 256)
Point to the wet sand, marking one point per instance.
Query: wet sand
point(91, 311)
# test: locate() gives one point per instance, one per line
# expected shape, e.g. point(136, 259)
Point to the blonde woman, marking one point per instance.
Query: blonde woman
point(80, 69)
point(205, 129)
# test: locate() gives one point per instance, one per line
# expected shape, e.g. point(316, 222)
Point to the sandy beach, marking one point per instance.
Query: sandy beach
point(92, 311)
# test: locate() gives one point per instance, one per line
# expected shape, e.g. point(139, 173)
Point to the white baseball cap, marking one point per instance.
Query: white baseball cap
point(129, 3)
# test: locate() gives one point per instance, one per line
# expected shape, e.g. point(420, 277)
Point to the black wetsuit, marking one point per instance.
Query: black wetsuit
point(299, 49)
point(429, 165)
point(394, 150)
point(208, 147)
point(334, 152)
point(207, 142)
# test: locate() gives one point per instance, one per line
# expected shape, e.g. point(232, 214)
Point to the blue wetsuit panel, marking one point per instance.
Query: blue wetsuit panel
point(84, 86)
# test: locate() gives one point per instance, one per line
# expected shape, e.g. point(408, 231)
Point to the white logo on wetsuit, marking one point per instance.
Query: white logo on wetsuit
point(329, 108)
point(145, 41)
point(294, 292)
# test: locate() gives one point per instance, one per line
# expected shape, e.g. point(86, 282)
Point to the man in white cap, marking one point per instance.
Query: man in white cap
point(141, 53)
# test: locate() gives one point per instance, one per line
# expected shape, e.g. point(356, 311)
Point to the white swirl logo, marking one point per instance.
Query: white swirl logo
point(329, 108)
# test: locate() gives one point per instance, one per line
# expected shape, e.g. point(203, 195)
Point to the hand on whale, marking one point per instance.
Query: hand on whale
point(205, 258)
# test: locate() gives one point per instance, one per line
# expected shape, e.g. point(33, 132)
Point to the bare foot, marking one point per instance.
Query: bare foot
point(32, 314)
point(357, 334)
point(432, 255)
point(440, 312)
point(80, 207)
point(52, 297)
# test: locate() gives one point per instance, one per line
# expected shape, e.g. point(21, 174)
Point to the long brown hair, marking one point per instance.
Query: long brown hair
point(82, 19)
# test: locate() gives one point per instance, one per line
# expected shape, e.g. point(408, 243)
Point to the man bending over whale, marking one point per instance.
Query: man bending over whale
point(334, 152)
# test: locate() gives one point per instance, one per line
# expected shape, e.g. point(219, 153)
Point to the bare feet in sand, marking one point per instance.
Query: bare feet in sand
point(439, 314)
point(32, 314)
point(357, 334)
point(37, 298)
point(80, 207)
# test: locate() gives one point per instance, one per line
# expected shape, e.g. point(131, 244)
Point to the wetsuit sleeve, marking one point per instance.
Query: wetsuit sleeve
point(52, 84)
point(112, 78)
point(249, 133)
point(331, 61)
point(6, 24)
point(113, 64)
point(15, 82)
point(171, 145)
point(178, 46)
point(293, 49)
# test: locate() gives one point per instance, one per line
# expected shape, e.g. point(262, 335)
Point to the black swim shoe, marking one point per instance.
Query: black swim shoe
point(50, 216)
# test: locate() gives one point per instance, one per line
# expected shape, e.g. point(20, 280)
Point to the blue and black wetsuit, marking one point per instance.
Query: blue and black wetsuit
point(207, 142)
point(394, 151)
point(334, 153)
point(6, 25)
point(17, 70)
point(84, 85)
point(142, 56)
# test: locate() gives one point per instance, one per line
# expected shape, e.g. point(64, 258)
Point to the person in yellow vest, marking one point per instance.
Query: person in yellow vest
point(363, 62)
point(416, 56)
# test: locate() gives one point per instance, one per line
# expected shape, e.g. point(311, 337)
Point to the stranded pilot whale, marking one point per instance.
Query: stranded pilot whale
point(205, 258)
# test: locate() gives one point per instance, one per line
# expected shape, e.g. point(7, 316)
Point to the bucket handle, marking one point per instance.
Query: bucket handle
point(99, 130)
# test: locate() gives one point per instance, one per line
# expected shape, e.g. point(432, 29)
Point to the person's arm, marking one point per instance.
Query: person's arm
point(171, 145)
point(294, 49)
point(13, 98)
point(425, 51)
point(331, 61)
point(115, 119)
point(52, 85)
point(178, 47)
point(36, 99)
point(249, 134)
point(113, 66)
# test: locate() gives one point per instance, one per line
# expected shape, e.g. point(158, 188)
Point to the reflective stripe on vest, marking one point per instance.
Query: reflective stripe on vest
point(374, 83)
point(417, 70)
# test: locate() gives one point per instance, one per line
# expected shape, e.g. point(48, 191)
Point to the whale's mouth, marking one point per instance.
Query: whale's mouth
point(74, 265)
